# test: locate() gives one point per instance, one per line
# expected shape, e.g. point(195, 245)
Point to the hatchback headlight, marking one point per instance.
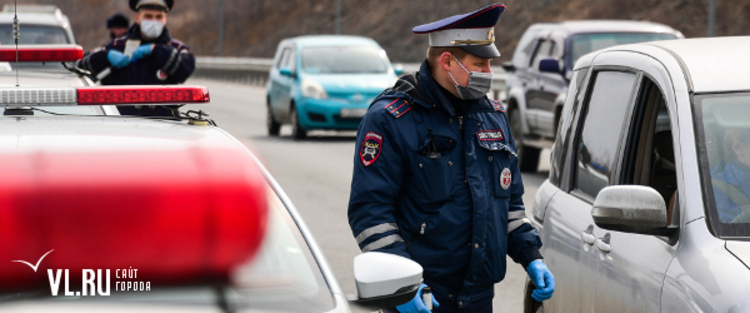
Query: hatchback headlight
point(312, 89)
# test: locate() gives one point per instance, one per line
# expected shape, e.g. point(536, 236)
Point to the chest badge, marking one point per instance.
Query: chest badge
point(369, 151)
point(505, 179)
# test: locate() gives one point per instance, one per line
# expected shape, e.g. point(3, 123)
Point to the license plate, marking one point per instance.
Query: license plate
point(348, 113)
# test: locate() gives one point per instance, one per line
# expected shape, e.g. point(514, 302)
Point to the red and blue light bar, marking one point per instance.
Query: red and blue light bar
point(41, 53)
point(104, 95)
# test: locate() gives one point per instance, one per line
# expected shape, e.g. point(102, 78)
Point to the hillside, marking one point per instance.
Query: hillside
point(255, 27)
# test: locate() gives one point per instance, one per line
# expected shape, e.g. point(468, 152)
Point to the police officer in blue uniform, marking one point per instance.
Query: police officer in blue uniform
point(436, 176)
point(147, 55)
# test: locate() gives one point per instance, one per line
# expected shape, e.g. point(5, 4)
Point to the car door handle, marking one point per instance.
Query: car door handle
point(603, 244)
point(587, 236)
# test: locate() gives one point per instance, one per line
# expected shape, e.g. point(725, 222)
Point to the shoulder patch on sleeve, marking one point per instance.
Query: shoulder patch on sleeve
point(369, 151)
point(497, 105)
point(398, 107)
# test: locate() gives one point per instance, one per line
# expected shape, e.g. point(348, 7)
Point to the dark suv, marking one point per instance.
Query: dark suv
point(541, 70)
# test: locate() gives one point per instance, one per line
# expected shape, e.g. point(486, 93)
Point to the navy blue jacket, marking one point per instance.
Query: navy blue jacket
point(170, 63)
point(442, 189)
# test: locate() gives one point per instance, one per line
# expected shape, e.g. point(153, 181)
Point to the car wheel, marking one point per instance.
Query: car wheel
point(297, 131)
point(273, 126)
point(528, 157)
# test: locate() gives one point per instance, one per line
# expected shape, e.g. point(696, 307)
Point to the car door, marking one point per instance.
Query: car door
point(551, 88)
point(569, 229)
point(632, 266)
point(541, 48)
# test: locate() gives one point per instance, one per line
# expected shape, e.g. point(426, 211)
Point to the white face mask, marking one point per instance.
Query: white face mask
point(151, 29)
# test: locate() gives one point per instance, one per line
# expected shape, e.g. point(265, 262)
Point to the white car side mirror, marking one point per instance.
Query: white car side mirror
point(385, 280)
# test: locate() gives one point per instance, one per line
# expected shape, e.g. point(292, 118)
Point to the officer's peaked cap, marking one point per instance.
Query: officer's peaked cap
point(165, 5)
point(473, 32)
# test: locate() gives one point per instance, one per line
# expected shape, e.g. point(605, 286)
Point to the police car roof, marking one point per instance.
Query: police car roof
point(34, 18)
point(333, 40)
point(598, 26)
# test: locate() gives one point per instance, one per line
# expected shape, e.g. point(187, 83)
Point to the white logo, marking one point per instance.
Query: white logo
point(34, 267)
point(505, 179)
point(94, 282)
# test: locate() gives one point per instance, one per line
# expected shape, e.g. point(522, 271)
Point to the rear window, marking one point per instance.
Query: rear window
point(34, 35)
point(583, 44)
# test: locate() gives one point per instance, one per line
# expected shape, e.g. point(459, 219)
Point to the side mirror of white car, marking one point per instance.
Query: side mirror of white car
point(634, 209)
point(385, 280)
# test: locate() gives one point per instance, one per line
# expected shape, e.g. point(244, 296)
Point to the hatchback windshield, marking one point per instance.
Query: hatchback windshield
point(34, 35)
point(584, 43)
point(724, 129)
point(344, 60)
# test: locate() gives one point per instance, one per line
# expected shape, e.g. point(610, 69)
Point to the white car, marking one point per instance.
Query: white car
point(102, 212)
point(646, 207)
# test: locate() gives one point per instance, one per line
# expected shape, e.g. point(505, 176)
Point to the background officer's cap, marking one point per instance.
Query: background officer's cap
point(165, 5)
point(473, 32)
point(118, 20)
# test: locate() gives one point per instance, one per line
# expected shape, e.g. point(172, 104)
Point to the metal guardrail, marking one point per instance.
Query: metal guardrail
point(254, 71)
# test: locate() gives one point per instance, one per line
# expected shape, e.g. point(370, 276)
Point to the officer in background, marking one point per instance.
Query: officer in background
point(117, 26)
point(436, 176)
point(147, 55)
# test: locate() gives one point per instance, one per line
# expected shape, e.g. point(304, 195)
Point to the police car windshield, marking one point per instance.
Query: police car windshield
point(344, 60)
point(583, 44)
point(724, 128)
point(34, 35)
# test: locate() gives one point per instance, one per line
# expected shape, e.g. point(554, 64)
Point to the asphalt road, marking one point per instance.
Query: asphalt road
point(316, 174)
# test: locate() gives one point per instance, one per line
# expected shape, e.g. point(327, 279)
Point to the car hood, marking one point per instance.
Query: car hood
point(354, 83)
point(740, 249)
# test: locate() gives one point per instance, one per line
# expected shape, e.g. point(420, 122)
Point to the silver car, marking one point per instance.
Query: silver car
point(646, 207)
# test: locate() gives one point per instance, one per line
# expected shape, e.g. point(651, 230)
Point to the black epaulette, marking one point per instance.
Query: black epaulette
point(497, 105)
point(398, 107)
point(119, 42)
point(177, 44)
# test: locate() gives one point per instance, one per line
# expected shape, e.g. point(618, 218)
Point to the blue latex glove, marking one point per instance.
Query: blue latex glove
point(117, 59)
point(416, 305)
point(142, 52)
point(542, 279)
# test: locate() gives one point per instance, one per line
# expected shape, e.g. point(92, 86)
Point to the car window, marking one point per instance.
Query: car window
point(545, 49)
point(603, 119)
point(344, 60)
point(649, 156)
point(565, 128)
point(34, 35)
point(524, 49)
point(283, 59)
point(724, 134)
point(289, 59)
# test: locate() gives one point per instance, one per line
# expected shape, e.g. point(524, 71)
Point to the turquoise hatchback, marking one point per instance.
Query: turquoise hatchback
point(325, 82)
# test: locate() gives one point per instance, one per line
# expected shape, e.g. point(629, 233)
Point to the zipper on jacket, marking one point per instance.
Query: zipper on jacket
point(421, 232)
point(461, 122)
